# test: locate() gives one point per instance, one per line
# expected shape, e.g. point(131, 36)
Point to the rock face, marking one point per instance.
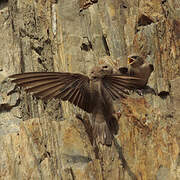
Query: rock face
point(45, 140)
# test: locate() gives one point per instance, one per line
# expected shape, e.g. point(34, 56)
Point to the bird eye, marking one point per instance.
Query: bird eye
point(105, 67)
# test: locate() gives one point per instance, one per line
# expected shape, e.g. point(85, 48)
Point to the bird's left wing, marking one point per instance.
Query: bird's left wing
point(116, 85)
point(67, 86)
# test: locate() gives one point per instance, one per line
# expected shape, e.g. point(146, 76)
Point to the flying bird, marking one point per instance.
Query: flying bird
point(94, 93)
point(138, 67)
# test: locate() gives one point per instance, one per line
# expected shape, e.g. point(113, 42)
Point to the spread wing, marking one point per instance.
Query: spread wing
point(115, 85)
point(66, 86)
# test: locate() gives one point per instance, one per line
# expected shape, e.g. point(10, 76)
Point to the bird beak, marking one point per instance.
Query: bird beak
point(130, 60)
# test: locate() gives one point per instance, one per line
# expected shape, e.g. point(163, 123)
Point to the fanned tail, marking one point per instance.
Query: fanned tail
point(102, 134)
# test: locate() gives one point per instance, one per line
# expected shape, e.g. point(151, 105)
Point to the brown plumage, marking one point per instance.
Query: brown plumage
point(138, 67)
point(93, 94)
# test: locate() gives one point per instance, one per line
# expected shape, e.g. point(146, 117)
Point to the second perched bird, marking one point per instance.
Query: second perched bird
point(138, 67)
point(93, 94)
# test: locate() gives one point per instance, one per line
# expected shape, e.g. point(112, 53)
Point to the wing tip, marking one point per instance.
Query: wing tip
point(12, 76)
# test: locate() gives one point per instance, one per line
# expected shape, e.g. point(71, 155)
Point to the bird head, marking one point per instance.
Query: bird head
point(100, 71)
point(135, 60)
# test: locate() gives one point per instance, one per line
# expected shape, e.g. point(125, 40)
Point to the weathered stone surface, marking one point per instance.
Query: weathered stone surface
point(45, 140)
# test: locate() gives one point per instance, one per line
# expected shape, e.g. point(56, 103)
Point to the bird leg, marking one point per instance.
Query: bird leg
point(145, 90)
point(140, 92)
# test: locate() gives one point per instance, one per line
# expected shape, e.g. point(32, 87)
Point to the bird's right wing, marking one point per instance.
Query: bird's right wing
point(67, 86)
point(116, 85)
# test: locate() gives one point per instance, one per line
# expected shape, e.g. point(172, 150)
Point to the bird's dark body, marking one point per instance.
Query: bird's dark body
point(144, 71)
point(93, 94)
point(102, 113)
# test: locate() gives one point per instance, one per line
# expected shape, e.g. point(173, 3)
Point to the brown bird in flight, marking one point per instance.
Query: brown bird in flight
point(93, 94)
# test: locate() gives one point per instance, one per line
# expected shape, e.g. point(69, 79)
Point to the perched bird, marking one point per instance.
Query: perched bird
point(93, 94)
point(138, 67)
